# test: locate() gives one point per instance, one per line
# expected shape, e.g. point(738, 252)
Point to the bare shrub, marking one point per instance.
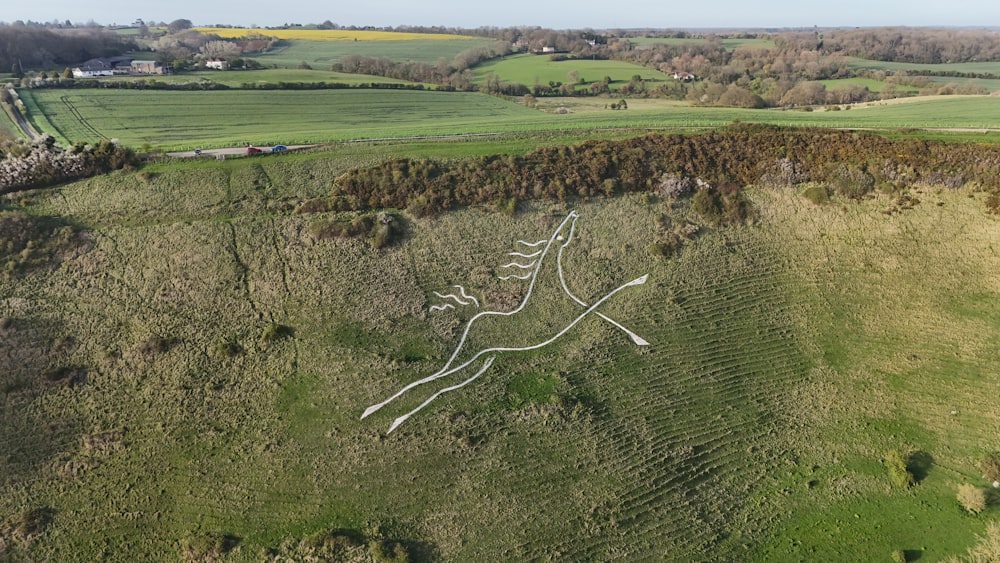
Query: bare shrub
point(972, 498)
point(784, 172)
point(675, 185)
point(850, 181)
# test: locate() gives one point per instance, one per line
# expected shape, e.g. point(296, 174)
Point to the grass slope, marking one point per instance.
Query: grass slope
point(785, 358)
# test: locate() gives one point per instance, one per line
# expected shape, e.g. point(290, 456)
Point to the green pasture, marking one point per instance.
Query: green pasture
point(730, 43)
point(183, 120)
point(322, 54)
point(870, 83)
point(241, 78)
point(541, 69)
point(786, 357)
point(985, 67)
point(989, 84)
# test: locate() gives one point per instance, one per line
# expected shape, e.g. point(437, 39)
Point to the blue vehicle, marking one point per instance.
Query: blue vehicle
point(277, 148)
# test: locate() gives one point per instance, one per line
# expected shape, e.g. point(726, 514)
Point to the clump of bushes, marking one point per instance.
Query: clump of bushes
point(851, 181)
point(381, 230)
point(28, 243)
point(208, 546)
point(388, 229)
point(344, 545)
point(816, 194)
point(274, 332)
point(66, 375)
point(740, 155)
point(33, 522)
point(42, 163)
point(156, 345)
point(990, 466)
point(900, 476)
point(227, 349)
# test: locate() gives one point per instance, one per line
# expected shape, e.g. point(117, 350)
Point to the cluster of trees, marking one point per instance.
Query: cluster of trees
point(25, 165)
point(718, 163)
point(183, 47)
point(23, 47)
point(902, 44)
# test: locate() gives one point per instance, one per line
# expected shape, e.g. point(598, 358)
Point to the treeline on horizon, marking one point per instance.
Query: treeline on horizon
point(787, 72)
point(716, 165)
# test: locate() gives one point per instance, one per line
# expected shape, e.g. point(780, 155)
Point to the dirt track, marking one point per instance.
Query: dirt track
point(232, 151)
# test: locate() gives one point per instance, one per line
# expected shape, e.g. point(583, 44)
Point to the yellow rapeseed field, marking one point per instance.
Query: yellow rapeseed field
point(327, 34)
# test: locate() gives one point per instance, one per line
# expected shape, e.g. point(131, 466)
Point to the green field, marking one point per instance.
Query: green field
point(183, 120)
point(321, 54)
point(786, 357)
point(240, 78)
point(541, 69)
point(730, 43)
point(870, 83)
point(988, 67)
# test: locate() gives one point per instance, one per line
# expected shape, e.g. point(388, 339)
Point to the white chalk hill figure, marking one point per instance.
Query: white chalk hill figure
point(541, 265)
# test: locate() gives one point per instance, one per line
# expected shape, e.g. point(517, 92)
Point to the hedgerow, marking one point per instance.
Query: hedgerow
point(851, 164)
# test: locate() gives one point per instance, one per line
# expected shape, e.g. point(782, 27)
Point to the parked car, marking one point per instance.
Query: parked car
point(277, 148)
point(253, 150)
point(197, 152)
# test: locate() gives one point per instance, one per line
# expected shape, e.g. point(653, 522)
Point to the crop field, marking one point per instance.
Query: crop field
point(242, 78)
point(541, 69)
point(183, 120)
point(987, 67)
point(321, 48)
point(785, 358)
point(321, 54)
point(329, 34)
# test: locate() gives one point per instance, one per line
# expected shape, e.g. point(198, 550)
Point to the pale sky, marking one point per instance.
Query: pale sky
point(556, 14)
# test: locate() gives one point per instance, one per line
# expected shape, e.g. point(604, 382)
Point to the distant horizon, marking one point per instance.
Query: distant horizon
point(581, 14)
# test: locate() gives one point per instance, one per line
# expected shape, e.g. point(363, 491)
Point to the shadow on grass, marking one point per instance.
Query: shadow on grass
point(919, 463)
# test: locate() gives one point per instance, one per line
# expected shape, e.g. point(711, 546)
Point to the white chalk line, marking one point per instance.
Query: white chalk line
point(446, 370)
point(505, 278)
point(562, 280)
point(465, 333)
point(522, 266)
point(532, 244)
point(466, 295)
point(522, 255)
point(452, 296)
point(402, 419)
point(638, 281)
point(442, 307)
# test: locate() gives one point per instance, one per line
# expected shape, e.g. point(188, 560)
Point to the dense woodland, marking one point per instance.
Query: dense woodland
point(25, 47)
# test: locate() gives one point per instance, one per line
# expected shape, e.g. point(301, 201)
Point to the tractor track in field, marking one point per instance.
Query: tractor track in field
point(79, 117)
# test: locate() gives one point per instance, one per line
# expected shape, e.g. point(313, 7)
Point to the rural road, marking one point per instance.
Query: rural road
point(23, 123)
point(232, 151)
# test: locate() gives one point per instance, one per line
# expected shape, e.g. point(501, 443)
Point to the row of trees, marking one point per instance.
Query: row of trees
point(24, 47)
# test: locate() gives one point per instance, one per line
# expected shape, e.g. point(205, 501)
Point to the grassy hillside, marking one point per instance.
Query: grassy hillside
point(193, 364)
